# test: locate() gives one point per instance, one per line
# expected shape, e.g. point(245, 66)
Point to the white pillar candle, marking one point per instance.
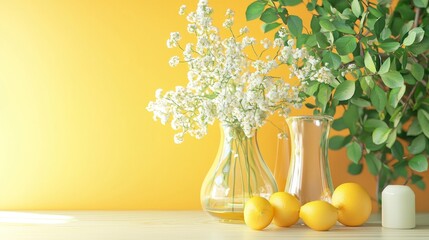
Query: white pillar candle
point(398, 207)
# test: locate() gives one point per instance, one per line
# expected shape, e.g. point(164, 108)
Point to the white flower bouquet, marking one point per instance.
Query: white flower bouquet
point(229, 80)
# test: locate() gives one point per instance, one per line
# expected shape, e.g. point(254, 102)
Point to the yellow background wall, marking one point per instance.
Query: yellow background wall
point(75, 78)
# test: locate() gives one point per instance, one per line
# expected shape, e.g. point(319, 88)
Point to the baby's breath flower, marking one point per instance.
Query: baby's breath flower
point(229, 13)
point(174, 61)
point(158, 93)
point(192, 28)
point(173, 40)
point(228, 23)
point(282, 32)
point(266, 43)
point(178, 138)
point(247, 41)
point(226, 84)
point(244, 30)
point(175, 36)
point(278, 42)
point(182, 10)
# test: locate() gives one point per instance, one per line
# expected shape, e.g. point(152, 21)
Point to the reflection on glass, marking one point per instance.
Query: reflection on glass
point(238, 173)
point(309, 176)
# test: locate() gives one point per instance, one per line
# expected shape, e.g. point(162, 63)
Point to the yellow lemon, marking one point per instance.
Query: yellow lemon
point(286, 209)
point(353, 203)
point(318, 215)
point(258, 213)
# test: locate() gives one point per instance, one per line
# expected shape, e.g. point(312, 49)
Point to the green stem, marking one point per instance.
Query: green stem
point(233, 181)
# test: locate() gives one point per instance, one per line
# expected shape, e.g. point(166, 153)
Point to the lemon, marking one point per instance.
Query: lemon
point(353, 203)
point(258, 213)
point(286, 209)
point(318, 215)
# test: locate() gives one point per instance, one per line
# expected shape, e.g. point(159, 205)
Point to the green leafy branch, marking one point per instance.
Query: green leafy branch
point(385, 92)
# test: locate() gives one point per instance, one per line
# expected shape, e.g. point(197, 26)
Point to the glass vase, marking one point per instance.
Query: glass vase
point(309, 176)
point(238, 173)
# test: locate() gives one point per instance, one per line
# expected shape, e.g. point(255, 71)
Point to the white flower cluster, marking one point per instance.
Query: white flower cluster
point(305, 66)
point(224, 83)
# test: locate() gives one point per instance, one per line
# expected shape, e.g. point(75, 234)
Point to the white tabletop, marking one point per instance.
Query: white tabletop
point(144, 225)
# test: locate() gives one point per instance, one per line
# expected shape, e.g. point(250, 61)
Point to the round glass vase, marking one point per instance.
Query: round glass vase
point(309, 176)
point(238, 173)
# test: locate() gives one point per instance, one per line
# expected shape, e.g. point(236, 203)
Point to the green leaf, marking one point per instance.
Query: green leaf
point(414, 129)
point(339, 124)
point(332, 59)
point(342, 27)
point(420, 3)
point(385, 34)
point(418, 145)
point(383, 178)
point(336, 142)
point(366, 83)
point(327, 25)
point(406, 28)
point(294, 23)
point(423, 118)
point(418, 163)
point(420, 34)
point(410, 39)
point(380, 135)
point(420, 47)
point(314, 24)
point(363, 20)
point(354, 152)
point(417, 180)
point(290, 2)
point(391, 139)
point(254, 10)
point(395, 96)
point(373, 163)
point(351, 118)
point(375, 12)
point(404, 60)
point(345, 90)
point(310, 6)
point(311, 40)
point(354, 168)
point(369, 63)
point(409, 79)
point(389, 46)
point(360, 102)
point(266, 27)
point(417, 71)
point(379, 26)
point(356, 8)
point(421, 185)
point(378, 98)
point(392, 79)
point(369, 144)
point(312, 88)
point(396, 116)
point(310, 106)
point(323, 96)
point(397, 150)
point(269, 15)
point(346, 45)
point(371, 124)
point(322, 41)
point(401, 168)
point(385, 67)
